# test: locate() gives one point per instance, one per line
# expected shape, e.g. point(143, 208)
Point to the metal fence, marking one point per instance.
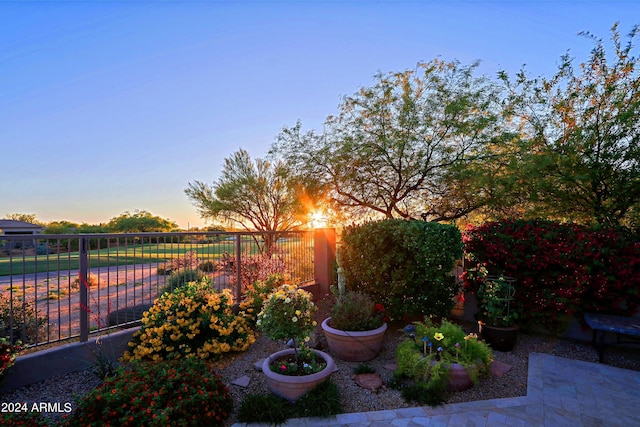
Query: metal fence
point(59, 287)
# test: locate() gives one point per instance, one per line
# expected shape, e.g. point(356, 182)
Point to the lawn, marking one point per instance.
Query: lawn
point(147, 253)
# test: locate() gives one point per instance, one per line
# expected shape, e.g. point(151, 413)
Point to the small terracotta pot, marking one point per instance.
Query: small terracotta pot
point(293, 387)
point(354, 346)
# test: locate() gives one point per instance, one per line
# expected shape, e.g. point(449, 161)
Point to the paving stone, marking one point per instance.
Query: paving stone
point(258, 364)
point(242, 381)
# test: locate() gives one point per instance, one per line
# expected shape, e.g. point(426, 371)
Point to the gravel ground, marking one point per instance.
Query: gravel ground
point(356, 399)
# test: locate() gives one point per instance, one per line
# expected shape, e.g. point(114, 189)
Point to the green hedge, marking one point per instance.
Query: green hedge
point(405, 265)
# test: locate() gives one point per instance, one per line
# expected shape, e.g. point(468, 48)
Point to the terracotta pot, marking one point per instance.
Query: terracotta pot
point(293, 387)
point(459, 379)
point(499, 338)
point(354, 346)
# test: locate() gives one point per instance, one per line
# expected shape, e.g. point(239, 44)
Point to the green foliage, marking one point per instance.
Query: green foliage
point(24, 419)
point(495, 296)
point(355, 311)
point(256, 294)
point(288, 314)
point(256, 195)
point(8, 354)
point(405, 265)
point(140, 221)
point(562, 269)
point(363, 368)
point(322, 401)
point(579, 159)
point(178, 393)
point(429, 352)
point(264, 408)
point(400, 147)
point(432, 393)
point(192, 321)
point(181, 277)
point(27, 324)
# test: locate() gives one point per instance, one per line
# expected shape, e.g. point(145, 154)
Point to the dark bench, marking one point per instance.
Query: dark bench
point(603, 323)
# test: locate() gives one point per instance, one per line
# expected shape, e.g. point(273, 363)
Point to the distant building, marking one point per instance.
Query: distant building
point(9, 227)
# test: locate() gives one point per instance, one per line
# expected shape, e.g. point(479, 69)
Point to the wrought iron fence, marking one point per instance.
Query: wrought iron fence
point(59, 287)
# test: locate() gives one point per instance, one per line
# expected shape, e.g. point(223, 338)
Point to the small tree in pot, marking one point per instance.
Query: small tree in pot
point(496, 316)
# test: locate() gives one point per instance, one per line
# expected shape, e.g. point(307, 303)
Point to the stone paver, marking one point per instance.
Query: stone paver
point(560, 392)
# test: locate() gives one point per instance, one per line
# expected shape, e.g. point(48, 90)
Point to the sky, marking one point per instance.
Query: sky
point(107, 107)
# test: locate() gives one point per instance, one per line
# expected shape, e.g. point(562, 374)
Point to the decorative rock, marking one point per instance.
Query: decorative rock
point(499, 368)
point(258, 365)
point(391, 366)
point(242, 381)
point(371, 382)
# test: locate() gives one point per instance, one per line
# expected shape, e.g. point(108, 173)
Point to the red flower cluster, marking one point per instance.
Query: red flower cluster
point(562, 269)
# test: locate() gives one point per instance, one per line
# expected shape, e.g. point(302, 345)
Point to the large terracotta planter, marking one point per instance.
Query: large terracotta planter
point(293, 387)
point(353, 346)
point(499, 338)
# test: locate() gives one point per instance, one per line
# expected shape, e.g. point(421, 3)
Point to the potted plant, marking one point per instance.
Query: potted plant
point(355, 331)
point(496, 316)
point(287, 314)
point(442, 357)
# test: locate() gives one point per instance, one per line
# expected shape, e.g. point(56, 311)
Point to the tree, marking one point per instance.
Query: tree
point(402, 148)
point(140, 221)
point(256, 195)
point(579, 157)
point(30, 218)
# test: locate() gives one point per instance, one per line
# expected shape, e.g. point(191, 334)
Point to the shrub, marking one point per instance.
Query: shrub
point(181, 277)
point(288, 314)
point(257, 293)
point(193, 321)
point(92, 281)
point(405, 265)
point(23, 419)
point(180, 392)
point(562, 269)
point(189, 260)
point(258, 267)
point(355, 311)
point(8, 354)
point(207, 266)
point(27, 324)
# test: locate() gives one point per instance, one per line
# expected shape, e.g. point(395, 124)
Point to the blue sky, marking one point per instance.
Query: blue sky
point(108, 107)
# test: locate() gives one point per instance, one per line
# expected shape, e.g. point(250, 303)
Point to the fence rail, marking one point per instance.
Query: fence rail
point(56, 288)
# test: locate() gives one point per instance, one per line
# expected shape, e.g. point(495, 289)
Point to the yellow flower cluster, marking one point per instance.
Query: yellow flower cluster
point(287, 313)
point(193, 321)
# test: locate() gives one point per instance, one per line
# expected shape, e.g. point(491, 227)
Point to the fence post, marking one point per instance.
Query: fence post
point(238, 269)
point(324, 257)
point(84, 291)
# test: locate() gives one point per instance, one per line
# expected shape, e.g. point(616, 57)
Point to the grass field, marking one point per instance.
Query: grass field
point(148, 253)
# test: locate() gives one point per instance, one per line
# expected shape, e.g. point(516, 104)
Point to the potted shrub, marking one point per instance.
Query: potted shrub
point(496, 316)
point(287, 314)
point(355, 331)
point(442, 357)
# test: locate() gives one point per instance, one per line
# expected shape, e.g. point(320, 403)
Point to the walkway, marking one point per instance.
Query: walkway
point(560, 392)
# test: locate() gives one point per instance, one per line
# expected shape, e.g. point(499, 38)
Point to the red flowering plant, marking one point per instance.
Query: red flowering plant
point(178, 392)
point(562, 269)
point(356, 311)
point(8, 354)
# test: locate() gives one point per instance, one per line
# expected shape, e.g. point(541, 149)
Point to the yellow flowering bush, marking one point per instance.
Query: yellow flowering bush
point(193, 321)
point(287, 313)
